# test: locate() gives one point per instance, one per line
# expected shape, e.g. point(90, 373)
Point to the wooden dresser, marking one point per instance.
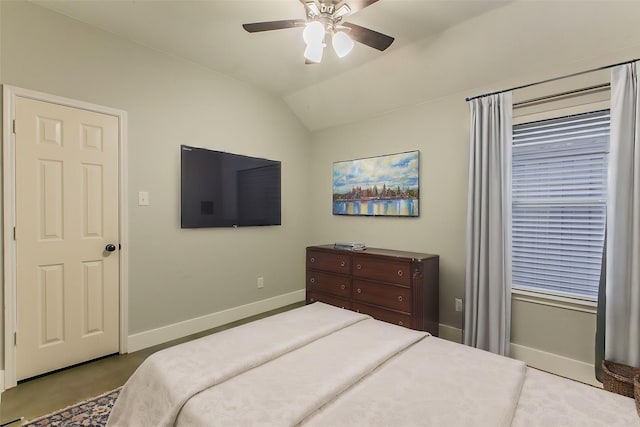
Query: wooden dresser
point(393, 286)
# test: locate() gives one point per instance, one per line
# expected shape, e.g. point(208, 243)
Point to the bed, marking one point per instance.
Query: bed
point(319, 365)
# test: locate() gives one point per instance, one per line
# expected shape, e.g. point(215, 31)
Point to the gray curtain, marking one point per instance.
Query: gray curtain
point(601, 312)
point(622, 330)
point(487, 313)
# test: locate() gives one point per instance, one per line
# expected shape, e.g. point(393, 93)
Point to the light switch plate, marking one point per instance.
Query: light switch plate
point(143, 198)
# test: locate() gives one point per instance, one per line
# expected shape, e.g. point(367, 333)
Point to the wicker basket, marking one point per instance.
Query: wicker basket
point(636, 383)
point(618, 378)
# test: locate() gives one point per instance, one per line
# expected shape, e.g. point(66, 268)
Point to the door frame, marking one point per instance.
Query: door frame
point(10, 93)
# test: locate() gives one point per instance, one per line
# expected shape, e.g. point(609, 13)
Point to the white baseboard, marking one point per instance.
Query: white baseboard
point(192, 326)
point(555, 364)
point(450, 333)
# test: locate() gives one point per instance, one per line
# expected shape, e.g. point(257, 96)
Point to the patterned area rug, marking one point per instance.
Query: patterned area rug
point(90, 413)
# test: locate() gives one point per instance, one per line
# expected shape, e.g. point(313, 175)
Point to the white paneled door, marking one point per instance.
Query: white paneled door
point(66, 236)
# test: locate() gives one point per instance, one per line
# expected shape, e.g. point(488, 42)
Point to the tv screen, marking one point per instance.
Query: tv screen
point(221, 189)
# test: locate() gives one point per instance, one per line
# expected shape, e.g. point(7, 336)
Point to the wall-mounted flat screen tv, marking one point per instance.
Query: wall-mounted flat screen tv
point(221, 189)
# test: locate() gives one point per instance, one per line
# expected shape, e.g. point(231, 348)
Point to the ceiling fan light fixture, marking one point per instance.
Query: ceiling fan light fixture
point(313, 52)
point(313, 33)
point(323, 19)
point(342, 44)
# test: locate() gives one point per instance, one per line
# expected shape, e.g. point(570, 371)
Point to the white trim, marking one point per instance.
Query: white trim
point(9, 248)
point(8, 244)
point(123, 253)
point(567, 303)
point(555, 364)
point(450, 333)
point(182, 329)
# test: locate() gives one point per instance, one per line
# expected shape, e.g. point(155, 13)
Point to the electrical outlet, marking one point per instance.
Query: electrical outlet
point(260, 282)
point(458, 304)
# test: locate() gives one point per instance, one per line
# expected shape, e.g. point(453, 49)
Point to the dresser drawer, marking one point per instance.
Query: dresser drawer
point(331, 283)
point(389, 316)
point(333, 262)
point(383, 270)
point(385, 295)
point(328, 299)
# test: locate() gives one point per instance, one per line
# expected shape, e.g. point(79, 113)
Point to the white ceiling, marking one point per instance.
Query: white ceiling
point(209, 32)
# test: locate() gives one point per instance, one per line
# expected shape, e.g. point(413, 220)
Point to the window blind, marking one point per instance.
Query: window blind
point(559, 183)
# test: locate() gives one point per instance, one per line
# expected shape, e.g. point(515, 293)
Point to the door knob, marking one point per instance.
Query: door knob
point(110, 247)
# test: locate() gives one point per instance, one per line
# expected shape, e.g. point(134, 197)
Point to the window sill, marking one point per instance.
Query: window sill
point(585, 306)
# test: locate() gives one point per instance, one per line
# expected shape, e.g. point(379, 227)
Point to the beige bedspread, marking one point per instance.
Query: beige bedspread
point(286, 390)
point(156, 392)
point(323, 366)
point(434, 383)
point(548, 400)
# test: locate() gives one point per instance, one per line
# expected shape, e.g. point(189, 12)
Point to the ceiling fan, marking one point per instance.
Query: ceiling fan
point(325, 18)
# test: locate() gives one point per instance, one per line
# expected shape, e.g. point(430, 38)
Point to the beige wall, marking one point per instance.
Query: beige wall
point(521, 43)
point(569, 332)
point(174, 274)
point(440, 229)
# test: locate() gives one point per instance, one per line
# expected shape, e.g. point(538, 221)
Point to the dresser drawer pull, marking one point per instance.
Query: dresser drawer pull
point(312, 299)
point(400, 298)
point(312, 259)
point(359, 290)
point(400, 273)
point(359, 267)
point(400, 323)
point(312, 280)
point(343, 287)
point(342, 263)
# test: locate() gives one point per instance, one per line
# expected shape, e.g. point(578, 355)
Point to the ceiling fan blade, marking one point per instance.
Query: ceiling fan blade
point(369, 37)
point(256, 27)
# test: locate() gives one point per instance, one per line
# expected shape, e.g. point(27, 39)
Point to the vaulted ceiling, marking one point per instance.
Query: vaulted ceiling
point(210, 33)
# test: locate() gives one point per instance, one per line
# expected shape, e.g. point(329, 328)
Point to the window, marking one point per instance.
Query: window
point(559, 204)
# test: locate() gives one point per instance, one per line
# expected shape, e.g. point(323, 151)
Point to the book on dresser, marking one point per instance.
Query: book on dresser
point(350, 246)
point(390, 285)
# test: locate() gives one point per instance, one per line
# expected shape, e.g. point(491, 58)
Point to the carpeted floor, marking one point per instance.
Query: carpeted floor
point(90, 413)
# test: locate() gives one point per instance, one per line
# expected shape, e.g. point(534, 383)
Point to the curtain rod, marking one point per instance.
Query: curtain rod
point(560, 95)
point(579, 73)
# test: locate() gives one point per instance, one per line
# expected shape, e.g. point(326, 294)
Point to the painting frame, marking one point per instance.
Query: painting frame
point(380, 186)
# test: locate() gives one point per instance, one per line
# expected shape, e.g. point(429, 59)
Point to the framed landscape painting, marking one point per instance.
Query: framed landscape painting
point(387, 185)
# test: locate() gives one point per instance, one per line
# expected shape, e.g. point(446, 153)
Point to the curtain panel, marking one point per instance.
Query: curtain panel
point(488, 253)
point(622, 330)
